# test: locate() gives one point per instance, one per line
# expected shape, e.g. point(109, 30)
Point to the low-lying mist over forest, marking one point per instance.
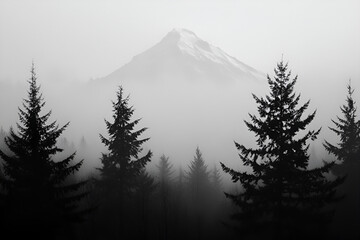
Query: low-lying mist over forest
point(182, 108)
point(241, 123)
point(179, 116)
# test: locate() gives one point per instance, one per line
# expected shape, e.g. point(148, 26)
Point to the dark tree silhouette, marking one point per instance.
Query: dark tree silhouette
point(165, 180)
point(165, 172)
point(180, 205)
point(39, 200)
point(145, 186)
point(216, 179)
point(68, 148)
point(198, 176)
point(348, 129)
point(3, 146)
point(347, 151)
point(180, 179)
point(281, 195)
point(122, 164)
point(199, 186)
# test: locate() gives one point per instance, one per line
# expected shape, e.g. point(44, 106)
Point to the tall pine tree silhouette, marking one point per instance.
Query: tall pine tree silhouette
point(39, 201)
point(165, 171)
point(145, 186)
point(216, 179)
point(199, 186)
point(347, 151)
point(281, 195)
point(348, 129)
point(165, 180)
point(122, 164)
point(198, 176)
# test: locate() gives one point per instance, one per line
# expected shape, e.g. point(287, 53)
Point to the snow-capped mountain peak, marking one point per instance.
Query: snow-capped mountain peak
point(183, 38)
point(182, 54)
point(189, 43)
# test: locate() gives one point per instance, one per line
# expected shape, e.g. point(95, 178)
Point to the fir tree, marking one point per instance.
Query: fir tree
point(216, 206)
point(216, 179)
point(38, 198)
point(198, 176)
point(348, 129)
point(281, 194)
point(347, 151)
point(180, 178)
point(4, 149)
point(122, 164)
point(145, 186)
point(199, 184)
point(3, 146)
point(165, 172)
point(180, 185)
point(2, 176)
point(179, 204)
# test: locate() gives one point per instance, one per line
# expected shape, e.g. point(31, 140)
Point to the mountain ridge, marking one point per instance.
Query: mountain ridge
point(181, 54)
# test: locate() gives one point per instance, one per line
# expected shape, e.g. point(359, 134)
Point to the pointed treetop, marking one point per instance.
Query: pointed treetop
point(348, 129)
point(121, 164)
point(34, 179)
point(198, 168)
point(350, 100)
point(280, 179)
point(216, 177)
point(165, 169)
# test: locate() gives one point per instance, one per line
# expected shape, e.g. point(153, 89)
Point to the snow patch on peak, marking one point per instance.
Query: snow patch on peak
point(180, 36)
point(183, 54)
point(189, 43)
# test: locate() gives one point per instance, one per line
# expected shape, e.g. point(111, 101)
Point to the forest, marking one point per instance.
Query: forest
point(279, 196)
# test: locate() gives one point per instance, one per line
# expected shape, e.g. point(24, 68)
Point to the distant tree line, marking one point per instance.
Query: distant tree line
point(280, 197)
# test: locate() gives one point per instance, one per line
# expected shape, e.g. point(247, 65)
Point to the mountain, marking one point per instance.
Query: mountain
point(181, 54)
point(187, 93)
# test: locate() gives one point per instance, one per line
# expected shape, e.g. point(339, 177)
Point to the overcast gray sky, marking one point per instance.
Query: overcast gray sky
point(75, 40)
point(82, 39)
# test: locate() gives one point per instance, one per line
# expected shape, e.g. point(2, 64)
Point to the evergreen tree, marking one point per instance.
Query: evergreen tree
point(198, 176)
point(216, 206)
point(180, 185)
point(165, 172)
point(122, 164)
point(180, 179)
point(281, 194)
point(199, 184)
point(216, 179)
point(39, 201)
point(180, 207)
point(348, 129)
point(2, 176)
point(68, 148)
point(347, 151)
point(145, 186)
point(3, 146)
